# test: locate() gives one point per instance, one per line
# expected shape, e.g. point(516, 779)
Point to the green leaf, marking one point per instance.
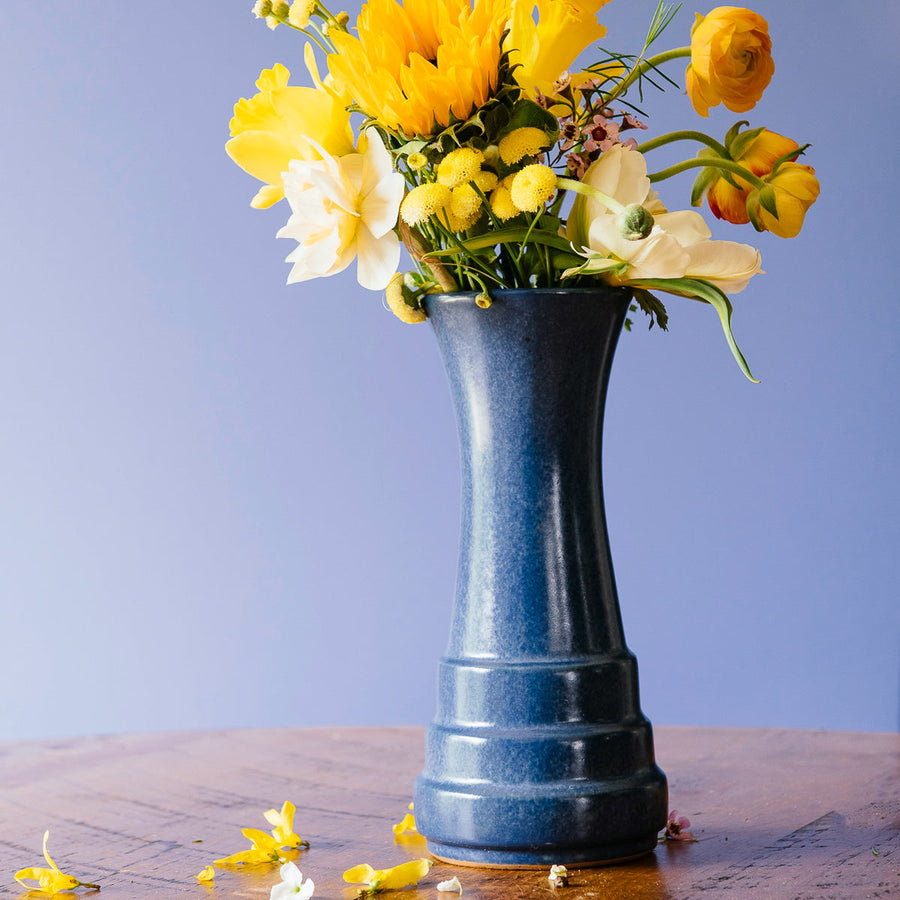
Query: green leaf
point(767, 200)
point(653, 307)
point(701, 185)
point(506, 236)
point(707, 293)
point(528, 114)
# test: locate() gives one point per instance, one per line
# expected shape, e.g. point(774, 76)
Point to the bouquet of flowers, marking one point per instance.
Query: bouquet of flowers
point(458, 129)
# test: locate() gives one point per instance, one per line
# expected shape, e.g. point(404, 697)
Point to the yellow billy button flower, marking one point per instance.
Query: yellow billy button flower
point(522, 142)
point(424, 201)
point(532, 187)
point(502, 204)
point(466, 205)
point(388, 879)
point(51, 880)
point(283, 822)
point(281, 123)
point(731, 60)
point(459, 166)
point(792, 189)
point(206, 875)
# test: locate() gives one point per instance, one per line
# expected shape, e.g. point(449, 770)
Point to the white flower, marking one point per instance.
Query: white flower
point(451, 885)
point(678, 246)
point(344, 207)
point(292, 885)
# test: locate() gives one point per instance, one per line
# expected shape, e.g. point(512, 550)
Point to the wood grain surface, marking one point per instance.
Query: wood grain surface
point(778, 814)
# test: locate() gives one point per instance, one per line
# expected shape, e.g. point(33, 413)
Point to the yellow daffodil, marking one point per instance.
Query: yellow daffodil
point(731, 60)
point(678, 245)
point(344, 208)
point(51, 880)
point(283, 826)
point(263, 849)
point(284, 122)
point(417, 67)
point(546, 49)
point(388, 879)
point(407, 823)
point(794, 188)
point(206, 875)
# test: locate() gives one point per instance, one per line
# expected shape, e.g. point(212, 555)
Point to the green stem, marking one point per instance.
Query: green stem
point(642, 67)
point(579, 187)
point(699, 136)
point(726, 164)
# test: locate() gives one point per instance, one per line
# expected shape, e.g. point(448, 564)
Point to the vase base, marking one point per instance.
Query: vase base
point(537, 858)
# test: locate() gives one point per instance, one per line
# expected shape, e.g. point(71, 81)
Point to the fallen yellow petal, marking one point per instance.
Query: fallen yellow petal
point(206, 874)
point(388, 879)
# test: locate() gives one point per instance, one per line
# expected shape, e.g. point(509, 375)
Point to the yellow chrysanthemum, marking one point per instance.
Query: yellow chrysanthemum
point(522, 142)
point(532, 187)
point(282, 123)
point(424, 201)
point(485, 181)
point(459, 166)
point(465, 204)
point(417, 67)
point(546, 49)
point(502, 205)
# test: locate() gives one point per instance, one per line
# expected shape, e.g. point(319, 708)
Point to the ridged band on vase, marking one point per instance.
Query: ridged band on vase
point(538, 753)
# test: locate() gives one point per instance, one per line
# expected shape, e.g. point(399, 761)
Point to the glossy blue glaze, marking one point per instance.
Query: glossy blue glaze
point(539, 752)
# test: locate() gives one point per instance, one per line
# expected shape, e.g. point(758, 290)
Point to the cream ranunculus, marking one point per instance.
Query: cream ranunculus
point(731, 61)
point(678, 246)
point(344, 207)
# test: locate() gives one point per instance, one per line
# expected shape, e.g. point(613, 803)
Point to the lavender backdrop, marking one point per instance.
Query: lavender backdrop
point(227, 502)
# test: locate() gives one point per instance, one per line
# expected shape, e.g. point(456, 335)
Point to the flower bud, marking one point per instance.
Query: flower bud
point(280, 9)
point(262, 8)
point(635, 222)
point(483, 300)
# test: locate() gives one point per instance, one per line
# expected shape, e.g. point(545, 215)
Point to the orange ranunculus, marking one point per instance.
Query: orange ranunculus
point(759, 156)
point(731, 60)
point(795, 189)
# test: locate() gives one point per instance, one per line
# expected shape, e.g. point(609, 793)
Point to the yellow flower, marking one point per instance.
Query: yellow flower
point(263, 849)
point(729, 202)
point(459, 166)
point(424, 201)
point(502, 204)
point(466, 205)
point(205, 875)
point(283, 822)
point(300, 12)
point(731, 60)
point(522, 142)
point(532, 187)
point(417, 161)
point(794, 188)
point(408, 822)
point(545, 50)
point(51, 880)
point(388, 879)
point(282, 123)
point(417, 67)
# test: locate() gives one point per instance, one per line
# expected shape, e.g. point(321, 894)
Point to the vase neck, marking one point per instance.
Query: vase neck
point(528, 378)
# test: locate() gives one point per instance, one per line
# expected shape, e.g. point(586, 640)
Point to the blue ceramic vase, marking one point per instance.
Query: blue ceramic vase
point(539, 752)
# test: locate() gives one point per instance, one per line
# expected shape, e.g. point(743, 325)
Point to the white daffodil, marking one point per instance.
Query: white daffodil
point(678, 246)
point(343, 208)
point(292, 885)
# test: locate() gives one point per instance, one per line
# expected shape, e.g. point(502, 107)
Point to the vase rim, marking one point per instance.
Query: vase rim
point(541, 292)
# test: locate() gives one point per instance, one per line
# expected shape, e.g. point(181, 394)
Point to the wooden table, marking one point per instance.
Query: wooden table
point(778, 814)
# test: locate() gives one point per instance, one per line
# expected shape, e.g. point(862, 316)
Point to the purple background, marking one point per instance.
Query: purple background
point(228, 502)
